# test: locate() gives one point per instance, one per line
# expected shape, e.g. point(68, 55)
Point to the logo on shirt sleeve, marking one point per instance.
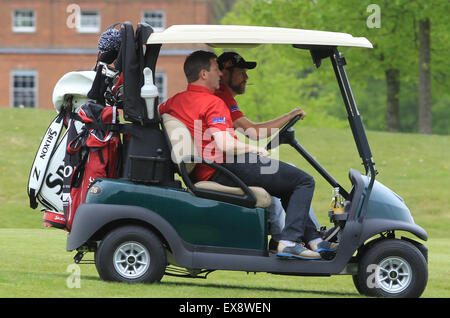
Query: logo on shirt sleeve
point(234, 108)
point(218, 120)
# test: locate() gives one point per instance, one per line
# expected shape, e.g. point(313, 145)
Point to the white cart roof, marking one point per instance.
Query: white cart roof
point(242, 36)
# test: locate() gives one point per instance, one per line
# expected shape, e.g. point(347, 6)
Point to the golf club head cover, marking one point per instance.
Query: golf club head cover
point(109, 45)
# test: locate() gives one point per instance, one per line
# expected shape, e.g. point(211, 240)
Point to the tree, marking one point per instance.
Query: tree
point(284, 78)
point(431, 19)
point(424, 77)
point(345, 16)
point(220, 8)
point(398, 32)
point(389, 27)
point(392, 100)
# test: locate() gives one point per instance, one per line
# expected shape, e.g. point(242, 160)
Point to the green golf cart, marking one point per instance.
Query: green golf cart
point(147, 223)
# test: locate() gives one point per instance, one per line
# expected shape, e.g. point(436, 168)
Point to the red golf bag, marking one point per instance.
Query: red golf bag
point(91, 154)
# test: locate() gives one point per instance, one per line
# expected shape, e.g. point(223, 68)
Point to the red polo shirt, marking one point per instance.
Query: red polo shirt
point(203, 113)
point(225, 94)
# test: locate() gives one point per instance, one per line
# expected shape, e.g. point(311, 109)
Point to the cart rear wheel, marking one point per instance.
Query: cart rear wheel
point(131, 254)
point(392, 268)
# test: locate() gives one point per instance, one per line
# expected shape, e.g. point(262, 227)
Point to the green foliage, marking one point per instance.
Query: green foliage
point(288, 76)
point(285, 79)
point(219, 8)
point(440, 110)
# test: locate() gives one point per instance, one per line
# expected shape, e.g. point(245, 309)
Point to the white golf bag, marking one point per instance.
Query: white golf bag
point(45, 183)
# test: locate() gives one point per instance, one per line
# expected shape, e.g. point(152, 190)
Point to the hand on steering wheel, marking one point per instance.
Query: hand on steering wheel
point(275, 141)
point(298, 111)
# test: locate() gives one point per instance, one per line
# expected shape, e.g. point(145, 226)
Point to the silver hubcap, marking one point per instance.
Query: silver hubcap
point(393, 274)
point(131, 260)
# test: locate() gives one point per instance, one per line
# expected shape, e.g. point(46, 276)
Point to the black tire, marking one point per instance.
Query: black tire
point(131, 254)
point(358, 285)
point(392, 268)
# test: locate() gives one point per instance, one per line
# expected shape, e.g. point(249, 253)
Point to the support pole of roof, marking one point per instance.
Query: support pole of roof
point(354, 118)
point(357, 127)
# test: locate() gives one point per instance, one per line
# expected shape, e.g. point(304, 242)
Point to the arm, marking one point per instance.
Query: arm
point(228, 144)
point(257, 131)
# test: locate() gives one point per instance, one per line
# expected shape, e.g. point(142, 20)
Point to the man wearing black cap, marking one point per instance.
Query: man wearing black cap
point(233, 82)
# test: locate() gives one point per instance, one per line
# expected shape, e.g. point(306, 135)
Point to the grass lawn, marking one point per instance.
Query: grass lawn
point(414, 166)
point(37, 266)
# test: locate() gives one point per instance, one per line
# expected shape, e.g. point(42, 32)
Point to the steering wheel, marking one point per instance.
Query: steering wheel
point(278, 138)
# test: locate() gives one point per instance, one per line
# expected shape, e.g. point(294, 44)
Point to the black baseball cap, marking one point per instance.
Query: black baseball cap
point(232, 59)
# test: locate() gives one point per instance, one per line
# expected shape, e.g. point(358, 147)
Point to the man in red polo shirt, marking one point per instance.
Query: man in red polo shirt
point(198, 106)
point(205, 115)
point(233, 82)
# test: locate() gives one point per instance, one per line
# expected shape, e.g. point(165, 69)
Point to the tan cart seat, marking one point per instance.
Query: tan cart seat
point(182, 145)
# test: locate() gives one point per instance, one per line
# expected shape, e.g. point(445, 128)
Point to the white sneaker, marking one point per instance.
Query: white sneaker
point(318, 245)
point(296, 250)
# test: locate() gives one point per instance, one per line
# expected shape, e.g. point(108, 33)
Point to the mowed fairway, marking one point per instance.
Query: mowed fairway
point(35, 263)
point(38, 266)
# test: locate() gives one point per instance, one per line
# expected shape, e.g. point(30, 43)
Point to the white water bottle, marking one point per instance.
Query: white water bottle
point(149, 92)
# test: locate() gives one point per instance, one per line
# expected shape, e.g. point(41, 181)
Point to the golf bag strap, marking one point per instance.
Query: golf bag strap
point(128, 129)
point(104, 127)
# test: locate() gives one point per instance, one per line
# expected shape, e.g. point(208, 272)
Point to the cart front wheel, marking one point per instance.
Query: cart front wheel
point(392, 268)
point(131, 254)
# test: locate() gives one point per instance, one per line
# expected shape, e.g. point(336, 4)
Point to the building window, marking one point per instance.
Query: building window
point(24, 88)
point(89, 21)
point(24, 21)
point(161, 83)
point(157, 19)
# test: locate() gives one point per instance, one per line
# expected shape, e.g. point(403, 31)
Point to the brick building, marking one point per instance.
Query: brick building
point(41, 40)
